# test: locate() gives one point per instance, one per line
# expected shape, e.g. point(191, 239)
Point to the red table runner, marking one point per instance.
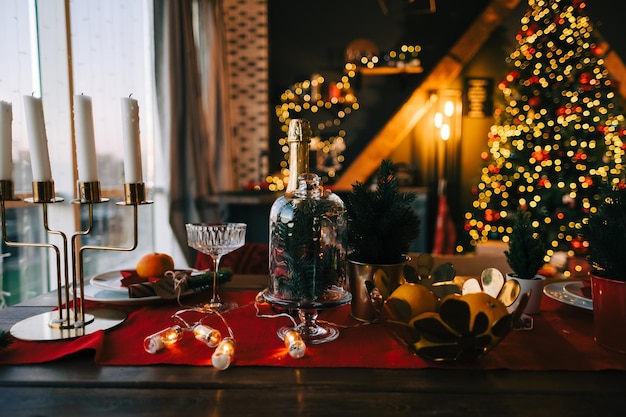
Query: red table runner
point(562, 339)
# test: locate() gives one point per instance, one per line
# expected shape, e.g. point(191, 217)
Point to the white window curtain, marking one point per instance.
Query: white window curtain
point(193, 111)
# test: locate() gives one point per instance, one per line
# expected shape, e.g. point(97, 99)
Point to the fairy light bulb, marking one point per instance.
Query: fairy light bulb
point(295, 344)
point(224, 354)
point(208, 335)
point(162, 339)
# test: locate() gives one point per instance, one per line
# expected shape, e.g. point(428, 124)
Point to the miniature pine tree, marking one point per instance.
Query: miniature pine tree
point(381, 222)
point(559, 134)
point(526, 250)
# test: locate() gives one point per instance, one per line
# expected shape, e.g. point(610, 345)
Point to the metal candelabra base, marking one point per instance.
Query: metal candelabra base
point(70, 320)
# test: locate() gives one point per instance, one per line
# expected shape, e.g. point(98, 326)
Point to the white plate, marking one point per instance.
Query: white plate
point(575, 290)
point(93, 293)
point(107, 288)
point(110, 281)
point(557, 291)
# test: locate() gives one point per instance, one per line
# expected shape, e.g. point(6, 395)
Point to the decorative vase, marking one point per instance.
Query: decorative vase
point(371, 284)
point(609, 312)
point(307, 256)
point(535, 286)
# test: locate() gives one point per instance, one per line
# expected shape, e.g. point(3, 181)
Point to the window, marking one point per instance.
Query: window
point(111, 58)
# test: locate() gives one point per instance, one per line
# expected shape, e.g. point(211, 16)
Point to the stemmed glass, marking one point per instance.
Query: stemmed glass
point(216, 240)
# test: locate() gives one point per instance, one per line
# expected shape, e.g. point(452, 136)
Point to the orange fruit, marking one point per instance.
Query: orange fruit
point(410, 300)
point(154, 265)
point(483, 302)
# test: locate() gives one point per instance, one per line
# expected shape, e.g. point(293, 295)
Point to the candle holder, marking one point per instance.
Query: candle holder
point(6, 191)
point(70, 319)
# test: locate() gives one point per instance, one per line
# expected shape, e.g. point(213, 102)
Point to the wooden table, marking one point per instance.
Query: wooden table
point(75, 386)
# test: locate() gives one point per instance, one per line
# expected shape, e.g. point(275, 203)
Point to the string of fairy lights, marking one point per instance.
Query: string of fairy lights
point(317, 99)
point(330, 103)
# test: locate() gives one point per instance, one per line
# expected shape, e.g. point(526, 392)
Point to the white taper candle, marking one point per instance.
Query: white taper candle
point(6, 138)
point(132, 144)
point(85, 139)
point(37, 139)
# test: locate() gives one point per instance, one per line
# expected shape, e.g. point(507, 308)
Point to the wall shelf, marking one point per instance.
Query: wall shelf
point(390, 70)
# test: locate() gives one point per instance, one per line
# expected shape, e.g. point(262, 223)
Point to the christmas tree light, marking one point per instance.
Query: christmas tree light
point(559, 136)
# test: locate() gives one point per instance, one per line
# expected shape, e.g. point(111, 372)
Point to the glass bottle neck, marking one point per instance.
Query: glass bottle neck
point(298, 162)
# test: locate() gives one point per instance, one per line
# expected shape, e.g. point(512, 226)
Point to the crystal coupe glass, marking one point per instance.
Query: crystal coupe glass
point(216, 240)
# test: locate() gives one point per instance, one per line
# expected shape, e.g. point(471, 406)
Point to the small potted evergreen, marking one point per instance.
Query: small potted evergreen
point(381, 228)
point(526, 256)
point(605, 232)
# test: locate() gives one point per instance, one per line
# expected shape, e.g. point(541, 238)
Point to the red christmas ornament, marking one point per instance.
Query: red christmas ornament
point(534, 101)
point(540, 155)
point(493, 169)
point(580, 156)
point(533, 80)
point(598, 50)
point(577, 244)
point(585, 78)
point(491, 215)
point(513, 75)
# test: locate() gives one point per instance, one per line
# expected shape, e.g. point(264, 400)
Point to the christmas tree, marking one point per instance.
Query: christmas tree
point(559, 135)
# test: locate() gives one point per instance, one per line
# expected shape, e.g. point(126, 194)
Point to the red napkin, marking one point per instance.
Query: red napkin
point(130, 277)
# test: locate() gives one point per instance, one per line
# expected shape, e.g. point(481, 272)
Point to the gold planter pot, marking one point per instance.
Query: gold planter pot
point(371, 284)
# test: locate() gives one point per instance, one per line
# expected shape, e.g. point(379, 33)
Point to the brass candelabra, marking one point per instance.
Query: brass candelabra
point(70, 319)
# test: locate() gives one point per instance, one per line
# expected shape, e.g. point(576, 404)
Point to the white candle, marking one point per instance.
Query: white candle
point(37, 140)
point(6, 145)
point(132, 145)
point(85, 139)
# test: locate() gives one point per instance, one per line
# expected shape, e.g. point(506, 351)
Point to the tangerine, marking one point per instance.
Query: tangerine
point(154, 265)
